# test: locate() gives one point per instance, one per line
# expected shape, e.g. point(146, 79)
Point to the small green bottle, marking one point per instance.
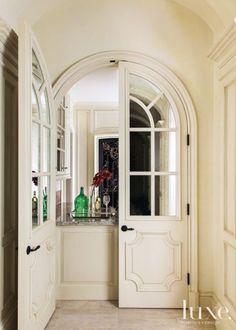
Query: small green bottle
point(81, 204)
point(45, 204)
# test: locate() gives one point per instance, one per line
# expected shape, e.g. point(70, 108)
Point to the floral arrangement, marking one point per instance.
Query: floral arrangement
point(100, 177)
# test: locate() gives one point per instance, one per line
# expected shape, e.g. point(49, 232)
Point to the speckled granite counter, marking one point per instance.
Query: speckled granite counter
point(85, 222)
point(66, 219)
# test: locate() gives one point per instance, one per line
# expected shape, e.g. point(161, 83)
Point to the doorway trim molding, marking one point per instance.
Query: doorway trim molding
point(182, 99)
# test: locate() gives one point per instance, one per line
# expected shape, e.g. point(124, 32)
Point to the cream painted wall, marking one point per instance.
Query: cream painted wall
point(160, 29)
point(223, 55)
point(100, 86)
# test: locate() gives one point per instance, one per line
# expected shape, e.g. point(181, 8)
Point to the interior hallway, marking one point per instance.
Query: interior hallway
point(90, 315)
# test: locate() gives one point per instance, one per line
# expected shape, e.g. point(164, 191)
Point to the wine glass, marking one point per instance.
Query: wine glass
point(106, 201)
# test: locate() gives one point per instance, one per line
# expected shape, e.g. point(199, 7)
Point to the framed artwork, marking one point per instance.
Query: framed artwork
point(108, 158)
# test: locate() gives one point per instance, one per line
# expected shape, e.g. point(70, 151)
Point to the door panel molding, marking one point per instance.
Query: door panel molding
point(172, 275)
point(42, 260)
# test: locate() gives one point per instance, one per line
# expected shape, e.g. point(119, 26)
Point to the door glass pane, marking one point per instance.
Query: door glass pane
point(35, 106)
point(45, 107)
point(35, 147)
point(59, 115)
point(46, 149)
point(165, 151)
point(63, 115)
point(45, 197)
point(140, 195)
point(58, 160)
point(60, 138)
point(138, 117)
point(143, 89)
point(165, 195)
point(37, 72)
point(35, 201)
point(140, 151)
point(162, 114)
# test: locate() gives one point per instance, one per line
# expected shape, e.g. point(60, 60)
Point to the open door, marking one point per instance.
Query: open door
point(153, 226)
point(36, 278)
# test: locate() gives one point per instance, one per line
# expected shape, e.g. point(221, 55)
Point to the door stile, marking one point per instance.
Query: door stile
point(24, 177)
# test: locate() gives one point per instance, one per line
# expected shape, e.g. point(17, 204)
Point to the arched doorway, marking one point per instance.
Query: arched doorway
point(181, 101)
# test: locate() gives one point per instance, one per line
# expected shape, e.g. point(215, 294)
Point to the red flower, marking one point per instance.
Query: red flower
point(100, 177)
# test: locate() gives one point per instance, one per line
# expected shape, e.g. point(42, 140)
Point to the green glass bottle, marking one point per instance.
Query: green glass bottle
point(45, 204)
point(81, 204)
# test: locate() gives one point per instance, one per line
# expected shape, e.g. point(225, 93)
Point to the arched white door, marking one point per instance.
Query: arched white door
point(153, 228)
point(36, 273)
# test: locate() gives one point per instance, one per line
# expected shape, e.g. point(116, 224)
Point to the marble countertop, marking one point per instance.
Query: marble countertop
point(66, 219)
point(86, 222)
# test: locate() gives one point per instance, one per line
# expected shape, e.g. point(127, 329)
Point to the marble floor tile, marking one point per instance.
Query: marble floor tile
point(105, 315)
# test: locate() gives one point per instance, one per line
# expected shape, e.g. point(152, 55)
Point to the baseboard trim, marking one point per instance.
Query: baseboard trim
point(225, 324)
point(209, 299)
point(86, 292)
point(206, 299)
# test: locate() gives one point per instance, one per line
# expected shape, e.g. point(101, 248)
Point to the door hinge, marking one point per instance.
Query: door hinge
point(188, 278)
point(188, 209)
point(188, 139)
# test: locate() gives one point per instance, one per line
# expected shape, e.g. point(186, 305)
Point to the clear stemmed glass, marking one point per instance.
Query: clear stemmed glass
point(106, 201)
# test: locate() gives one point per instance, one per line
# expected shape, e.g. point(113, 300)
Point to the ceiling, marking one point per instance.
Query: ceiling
point(216, 13)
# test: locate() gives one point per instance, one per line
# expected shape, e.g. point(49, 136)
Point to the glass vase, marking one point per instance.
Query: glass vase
point(91, 200)
point(81, 204)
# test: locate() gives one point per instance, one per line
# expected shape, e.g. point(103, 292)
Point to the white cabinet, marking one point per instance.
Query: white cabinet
point(87, 262)
point(64, 138)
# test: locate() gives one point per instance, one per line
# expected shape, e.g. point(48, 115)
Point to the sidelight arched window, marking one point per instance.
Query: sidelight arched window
point(41, 144)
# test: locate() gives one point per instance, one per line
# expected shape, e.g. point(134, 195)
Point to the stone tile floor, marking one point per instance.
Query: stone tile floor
point(105, 315)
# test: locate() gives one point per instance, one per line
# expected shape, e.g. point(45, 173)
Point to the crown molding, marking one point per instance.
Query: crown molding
point(225, 48)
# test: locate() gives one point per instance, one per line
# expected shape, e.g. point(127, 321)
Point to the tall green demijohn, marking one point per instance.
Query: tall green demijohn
point(81, 204)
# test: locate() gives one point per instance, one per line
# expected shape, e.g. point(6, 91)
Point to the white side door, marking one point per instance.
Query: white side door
point(152, 195)
point(36, 279)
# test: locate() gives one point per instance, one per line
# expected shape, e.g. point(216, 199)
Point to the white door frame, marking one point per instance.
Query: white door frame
point(184, 104)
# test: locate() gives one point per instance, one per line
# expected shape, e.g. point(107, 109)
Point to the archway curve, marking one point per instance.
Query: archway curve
point(179, 94)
